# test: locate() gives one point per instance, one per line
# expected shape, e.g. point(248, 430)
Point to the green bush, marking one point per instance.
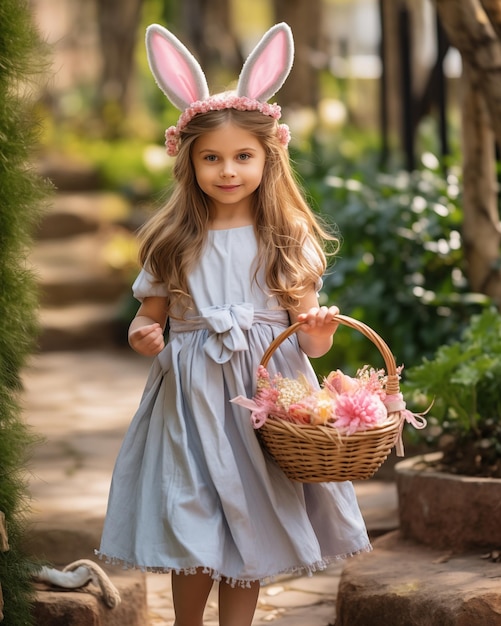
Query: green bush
point(462, 382)
point(400, 265)
point(20, 195)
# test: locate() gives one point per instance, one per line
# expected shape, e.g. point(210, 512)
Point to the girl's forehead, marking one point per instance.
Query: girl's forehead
point(228, 134)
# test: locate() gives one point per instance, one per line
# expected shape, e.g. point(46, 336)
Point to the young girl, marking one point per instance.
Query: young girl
point(233, 258)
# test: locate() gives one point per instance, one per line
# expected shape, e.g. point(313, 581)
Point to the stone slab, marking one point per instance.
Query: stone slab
point(61, 540)
point(70, 214)
point(68, 174)
point(78, 270)
point(81, 327)
point(85, 607)
point(403, 583)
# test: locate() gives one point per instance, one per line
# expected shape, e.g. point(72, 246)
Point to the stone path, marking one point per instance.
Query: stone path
point(81, 403)
point(83, 257)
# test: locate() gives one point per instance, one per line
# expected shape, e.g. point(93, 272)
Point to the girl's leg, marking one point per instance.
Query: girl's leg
point(237, 604)
point(189, 595)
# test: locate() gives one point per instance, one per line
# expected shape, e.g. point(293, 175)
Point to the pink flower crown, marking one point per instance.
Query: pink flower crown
point(220, 102)
point(180, 77)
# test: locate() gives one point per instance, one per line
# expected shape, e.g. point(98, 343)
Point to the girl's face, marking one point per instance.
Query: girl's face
point(229, 163)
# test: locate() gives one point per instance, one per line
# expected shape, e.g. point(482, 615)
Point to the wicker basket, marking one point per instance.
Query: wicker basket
point(311, 454)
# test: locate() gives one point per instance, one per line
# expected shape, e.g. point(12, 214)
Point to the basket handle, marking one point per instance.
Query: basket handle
point(392, 384)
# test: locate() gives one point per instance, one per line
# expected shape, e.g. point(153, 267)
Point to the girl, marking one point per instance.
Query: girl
point(233, 258)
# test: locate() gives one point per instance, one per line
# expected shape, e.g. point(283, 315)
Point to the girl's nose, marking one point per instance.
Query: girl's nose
point(227, 169)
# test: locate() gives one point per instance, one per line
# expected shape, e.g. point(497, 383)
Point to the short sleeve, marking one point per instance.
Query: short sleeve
point(146, 286)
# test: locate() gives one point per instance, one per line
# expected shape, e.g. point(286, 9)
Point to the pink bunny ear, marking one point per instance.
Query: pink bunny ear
point(177, 72)
point(268, 65)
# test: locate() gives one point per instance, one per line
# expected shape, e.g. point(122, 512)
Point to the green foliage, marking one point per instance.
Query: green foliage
point(136, 167)
point(399, 268)
point(462, 381)
point(16, 569)
point(20, 195)
point(126, 165)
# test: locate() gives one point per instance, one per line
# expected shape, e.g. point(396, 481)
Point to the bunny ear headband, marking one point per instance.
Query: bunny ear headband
point(180, 77)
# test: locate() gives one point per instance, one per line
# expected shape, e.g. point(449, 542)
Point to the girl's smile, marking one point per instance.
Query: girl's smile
point(228, 187)
point(229, 163)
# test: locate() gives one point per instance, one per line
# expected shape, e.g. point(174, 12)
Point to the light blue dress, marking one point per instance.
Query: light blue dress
point(191, 486)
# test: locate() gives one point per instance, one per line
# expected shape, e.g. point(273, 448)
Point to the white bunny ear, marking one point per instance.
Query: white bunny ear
point(268, 65)
point(177, 72)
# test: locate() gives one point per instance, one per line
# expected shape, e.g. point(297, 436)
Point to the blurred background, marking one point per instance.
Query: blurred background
point(373, 106)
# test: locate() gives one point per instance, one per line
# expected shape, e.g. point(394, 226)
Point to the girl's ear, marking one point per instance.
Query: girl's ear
point(176, 71)
point(268, 65)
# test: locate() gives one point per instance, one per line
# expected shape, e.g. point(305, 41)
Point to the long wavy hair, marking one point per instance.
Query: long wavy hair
point(293, 243)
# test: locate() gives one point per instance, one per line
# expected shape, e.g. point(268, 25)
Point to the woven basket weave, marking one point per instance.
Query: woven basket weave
point(311, 454)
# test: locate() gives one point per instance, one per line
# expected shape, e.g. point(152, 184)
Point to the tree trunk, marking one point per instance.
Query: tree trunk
point(468, 28)
point(117, 21)
point(210, 36)
point(404, 71)
point(481, 237)
point(393, 69)
point(304, 18)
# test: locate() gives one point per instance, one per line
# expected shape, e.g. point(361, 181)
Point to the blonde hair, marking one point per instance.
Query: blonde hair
point(291, 239)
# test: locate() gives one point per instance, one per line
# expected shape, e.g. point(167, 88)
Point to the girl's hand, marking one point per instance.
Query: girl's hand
point(147, 340)
point(319, 321)
point(315, 334)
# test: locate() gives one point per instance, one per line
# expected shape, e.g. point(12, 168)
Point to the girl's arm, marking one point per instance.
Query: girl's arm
point(315, 335)
point(146, 331)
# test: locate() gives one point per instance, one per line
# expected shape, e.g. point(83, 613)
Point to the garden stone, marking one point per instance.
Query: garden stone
point(64, 539)
point(403, 583)
point(446, 510)
point(71, 214)
point(87, 608)
point(68, 174)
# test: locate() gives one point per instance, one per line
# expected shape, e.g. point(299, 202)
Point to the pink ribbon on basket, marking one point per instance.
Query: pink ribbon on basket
point(395, 404)
point(259, 411)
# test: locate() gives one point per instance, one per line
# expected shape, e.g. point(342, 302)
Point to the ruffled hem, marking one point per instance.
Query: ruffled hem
point(299, 570)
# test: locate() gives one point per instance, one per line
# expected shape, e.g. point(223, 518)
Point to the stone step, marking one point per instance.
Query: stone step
point(404, 583)
point(79, 269)
point(68, 174)
point(80, 327)
point(70, 214)
point(59, 542)
point(85, 607)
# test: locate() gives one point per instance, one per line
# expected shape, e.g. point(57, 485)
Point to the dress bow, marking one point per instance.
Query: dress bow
point(226, 325)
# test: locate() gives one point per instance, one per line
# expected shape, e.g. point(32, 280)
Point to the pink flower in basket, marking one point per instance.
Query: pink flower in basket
point(340, 383)
point(359, 410)
point(317, 408)
point(342, 402)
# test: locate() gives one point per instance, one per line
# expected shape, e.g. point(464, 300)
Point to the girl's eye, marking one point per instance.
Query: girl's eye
point(244, 156)
point(211, 157)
